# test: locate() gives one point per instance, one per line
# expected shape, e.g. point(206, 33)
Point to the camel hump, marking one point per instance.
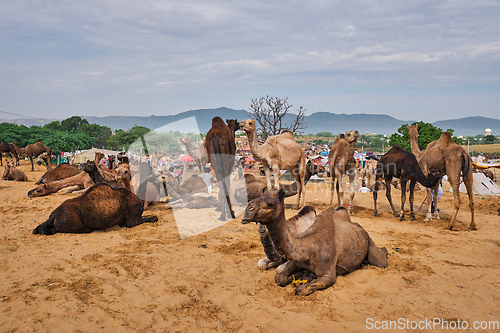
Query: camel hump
point(446, 137)
point(306, 210)
point(217, 121)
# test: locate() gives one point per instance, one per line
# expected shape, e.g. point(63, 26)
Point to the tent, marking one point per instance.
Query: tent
point(481, 185)
point(89, 154)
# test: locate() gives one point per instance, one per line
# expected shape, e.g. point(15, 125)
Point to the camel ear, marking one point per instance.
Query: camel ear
point(264, 189)
point(408, 126)
point(281, 194)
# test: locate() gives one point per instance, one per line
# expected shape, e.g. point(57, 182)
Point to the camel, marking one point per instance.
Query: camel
point(279, 152)
point(194, 184)
point(63, 170)
point(325, 245)
point(123, 175)
point(33, 150)
point(367, 172)
point(254, 188)
point(11, 173)
point(7, 148)
point(399, 163)
point(99, 175)
point(445, 154)
point(221, 149)
point(81, 180)
point(199, 154)
point(341, 161)
point(103, 207)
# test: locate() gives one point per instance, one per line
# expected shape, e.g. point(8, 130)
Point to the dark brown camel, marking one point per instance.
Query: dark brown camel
point(318, 247)
point(63, 170)
point(34, 150)
point(399, 163)
point(221, 149)
point(100, 207)
point(97, 175)
point(7, 148)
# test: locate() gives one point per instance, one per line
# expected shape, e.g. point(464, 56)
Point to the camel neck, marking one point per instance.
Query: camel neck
point(281, 236)
point(415, 149)
point(252, 141)
point(189, 148)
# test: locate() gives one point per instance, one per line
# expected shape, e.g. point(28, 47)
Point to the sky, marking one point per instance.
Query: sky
point(413, 60)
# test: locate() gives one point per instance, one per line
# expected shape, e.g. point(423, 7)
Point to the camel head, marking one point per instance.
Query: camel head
point(184, 140)
point(88, 166)
point(38, 191)
point(266, 208)
point(351, 136)
point(248, 125)
point(314, 168)
point(413, 130)
point(122, 171)
point(15, 144)
point(233, 124)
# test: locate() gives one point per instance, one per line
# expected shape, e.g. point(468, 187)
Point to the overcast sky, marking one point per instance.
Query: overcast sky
point(413, 60)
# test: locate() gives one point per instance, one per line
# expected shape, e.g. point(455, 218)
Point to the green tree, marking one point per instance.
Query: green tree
point(123, 139)
point(426, 134)
point(72, 124)
point(489, 139)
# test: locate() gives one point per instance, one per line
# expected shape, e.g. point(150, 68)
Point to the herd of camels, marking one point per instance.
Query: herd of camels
point(313, 248)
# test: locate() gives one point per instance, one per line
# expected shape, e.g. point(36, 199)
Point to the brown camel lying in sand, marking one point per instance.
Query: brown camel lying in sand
point(81, 180)
point(11, 173)
point(63, 170)
point(324, 245)
point(103, 207)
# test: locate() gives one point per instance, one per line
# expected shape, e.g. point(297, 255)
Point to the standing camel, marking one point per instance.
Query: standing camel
point(5, 147)
point(221, 149)
point(199, 154)
point(341, 161)
point(279, 152)
point(33, 150)
point(445, 154)
point(399, 163)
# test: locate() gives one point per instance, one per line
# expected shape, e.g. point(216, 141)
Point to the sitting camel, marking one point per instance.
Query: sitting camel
point(99, 175)
point(104, 208)
point(10, 172)
point(123, 175)
point(81, 181)
point(341, 161)
point(199, 154)
point(399, 163)
point(279, 152)
point(445, 154)
point(63, 170)
point(33, 150)
point(325, 245)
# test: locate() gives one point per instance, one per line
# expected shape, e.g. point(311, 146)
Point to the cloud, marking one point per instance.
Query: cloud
point(129, 49)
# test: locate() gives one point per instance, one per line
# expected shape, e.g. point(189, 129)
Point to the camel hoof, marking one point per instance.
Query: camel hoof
point(376, 215)
point(302, 290)
point(473, 227)
point(402, 218)
point(396, 215)
point(413, 218)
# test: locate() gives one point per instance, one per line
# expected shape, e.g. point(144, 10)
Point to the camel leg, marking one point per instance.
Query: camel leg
point(413, 182)
point(273, 258)
point(32, 167)
point(468, 186)
point(403, 198)
point(388, 182)
point(455, 184)
point(352, 191)
point(268, 175)
point(375, 195)
point(332, 188)
point(435, 200)
point(284, 273)
point(340, 187)
point(429, 204)
point(299, 179)
point(320, 283)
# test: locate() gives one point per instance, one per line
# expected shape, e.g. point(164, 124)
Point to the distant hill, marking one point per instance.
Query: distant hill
point(316, 122)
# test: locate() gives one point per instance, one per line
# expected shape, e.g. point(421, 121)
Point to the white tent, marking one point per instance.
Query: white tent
point(482, 185)
point(88, 155)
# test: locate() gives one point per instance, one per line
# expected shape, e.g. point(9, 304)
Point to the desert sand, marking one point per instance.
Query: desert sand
point(148, 279)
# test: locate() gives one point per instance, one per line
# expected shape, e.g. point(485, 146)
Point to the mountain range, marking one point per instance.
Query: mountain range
point(316, 122)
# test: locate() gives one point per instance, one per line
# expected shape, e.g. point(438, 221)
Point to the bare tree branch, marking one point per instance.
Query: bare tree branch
point(270, 113)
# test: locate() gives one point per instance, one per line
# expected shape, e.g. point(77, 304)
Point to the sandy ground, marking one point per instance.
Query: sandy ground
point(148, 279)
